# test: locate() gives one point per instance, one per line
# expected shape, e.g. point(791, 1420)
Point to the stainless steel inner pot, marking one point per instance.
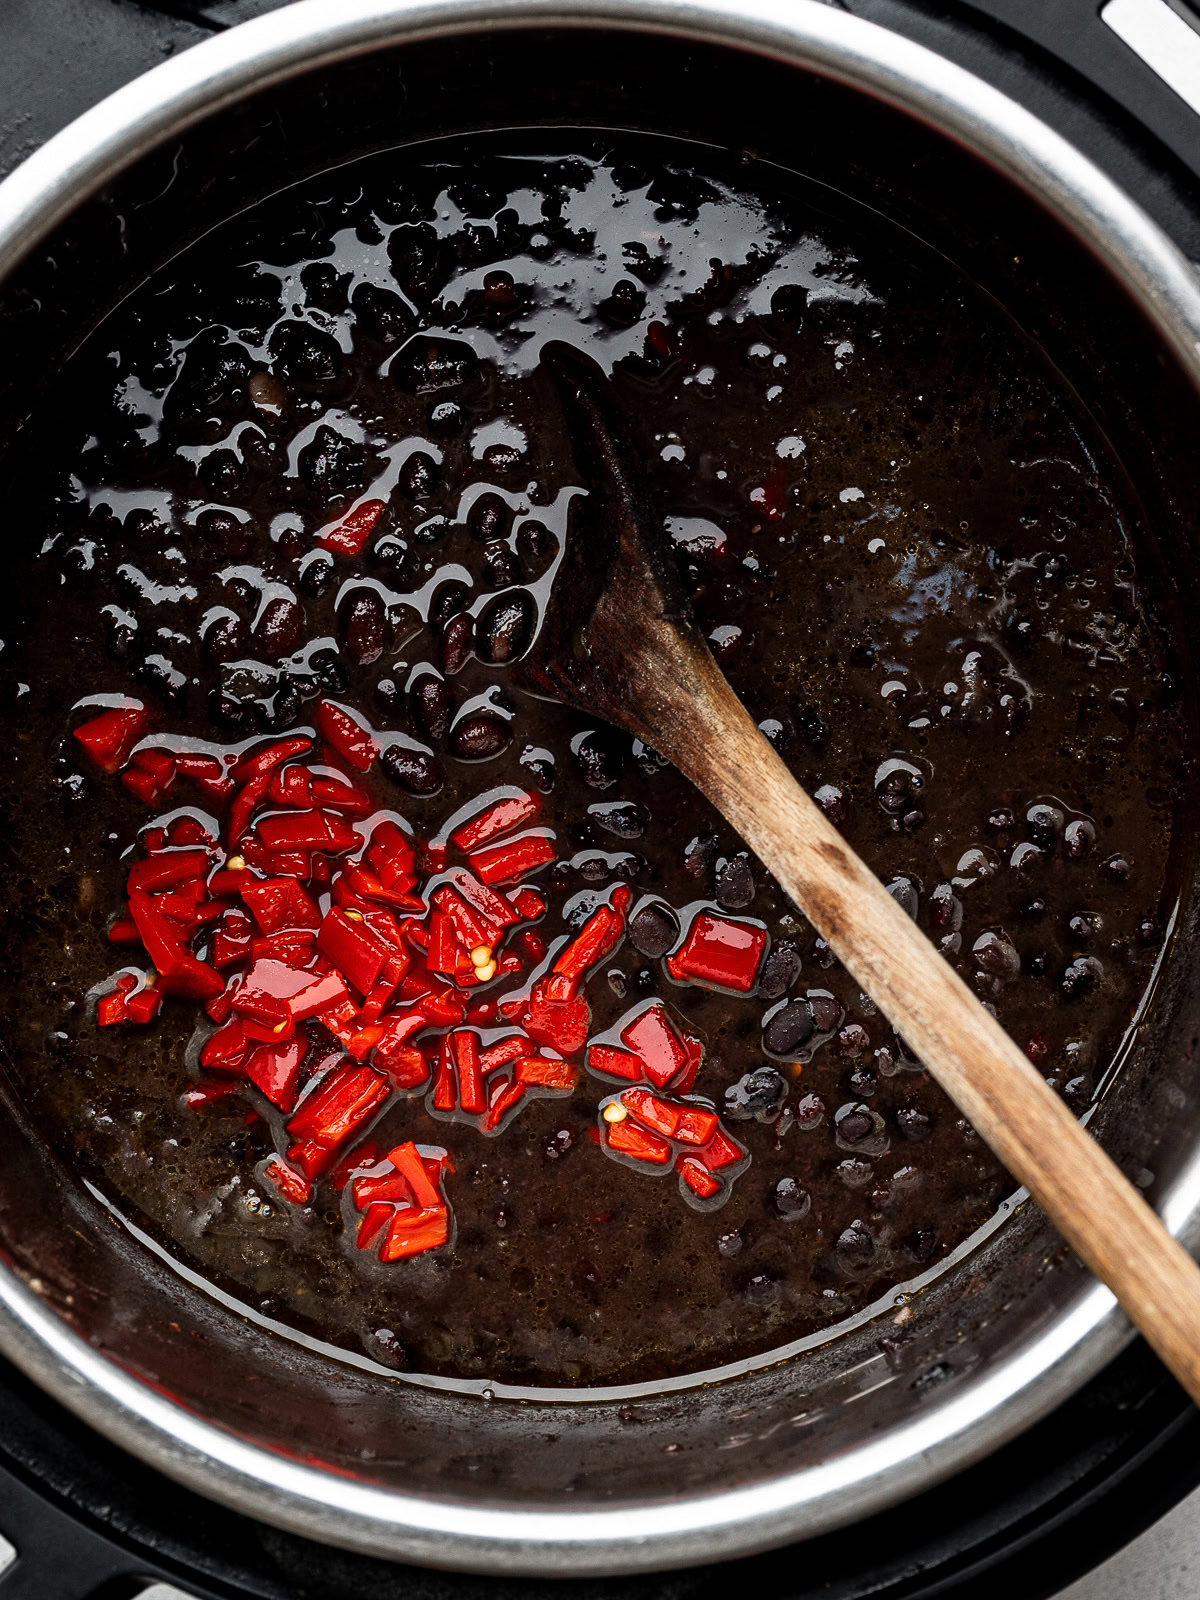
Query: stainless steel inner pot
point(344, 1452)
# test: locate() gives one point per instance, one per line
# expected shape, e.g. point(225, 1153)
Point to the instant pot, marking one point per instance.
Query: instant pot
point(1005, 1433)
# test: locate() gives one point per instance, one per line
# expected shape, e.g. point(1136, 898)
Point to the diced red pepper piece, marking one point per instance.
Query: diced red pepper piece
point(349, 536)
point(405, 1065)
point(445, 951)
point(687, 1124)
point(206, 772)
point(391, 854)
point(307, 830)
point(107, 739)
point(695, 1054)
point(374, 1220)
point(330, 1114)
point(291, 786)
point(652, 1037)
point(616, 1063)
point(513, 858)
point(144, 1004)
point(471, 928)
point(225, 1050)
point(279, 903)
point(722, 1151)
point(363, 882)
point(386, 1185)
point(411, 1231)
point(293, 1186)
point(507, 1095)
point(632, 1140)
point(110, 1008)
point(528, 905)
point(162, 943)
point(354, 948)
point(543, 1073)
point(343, 795)
point(157, 872)
point(501, 1053)
point(294, 947)
point(501, 817)
point(124, 931)
point(147, 787)
point(700, 1181)
point(470, 1075)
point(345, 734)
point(259, 762)
point(158, 761)
point(720, 951)
point(275, 1069)
point(563, 1024)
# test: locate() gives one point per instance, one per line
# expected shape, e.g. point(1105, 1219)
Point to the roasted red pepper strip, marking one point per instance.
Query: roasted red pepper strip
point(501, 817)
point(507, 1096)
point(108, 738)
point(444, 948)
point(375, 1219)
point(720, 951)
point(598, 937)
point(349, 536)
point(470, 1075)
point(226, 1049)
point(514, 858)
point(110, 1008)
point(279, 903)
point(264, 761)
point(445, 1095)
point(501, 1053)
point(543, 1073)
point(345, 734)
point(404, 1064)
point(206, 772)
point(617, 1063)
point(391, 854)
point(124, 931)
point(341, 794)
point(245, 802)
point(687, 1124)
point(563, 1024)
point(407, 1161)
point(472, 929)
point(487, 902)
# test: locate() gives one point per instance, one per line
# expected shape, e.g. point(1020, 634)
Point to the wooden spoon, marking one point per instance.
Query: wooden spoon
point(618, 641)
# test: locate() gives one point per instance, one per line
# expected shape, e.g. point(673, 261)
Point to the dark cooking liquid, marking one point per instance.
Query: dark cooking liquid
point(914, 556)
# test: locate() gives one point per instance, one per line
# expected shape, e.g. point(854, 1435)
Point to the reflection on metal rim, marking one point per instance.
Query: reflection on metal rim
point(1040, 1370)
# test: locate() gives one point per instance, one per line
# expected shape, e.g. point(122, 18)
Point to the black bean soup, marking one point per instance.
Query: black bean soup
point(430, 1018)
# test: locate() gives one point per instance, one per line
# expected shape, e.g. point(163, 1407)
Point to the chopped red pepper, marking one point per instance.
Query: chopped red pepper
point(652, 1036)
point(203, 1094)
point(501, 1053)
point(405, 1065)
point(544, 1073)
point(513, 858)
point(110, 1008)
point(340, 793)
point(345, 734)
point(124, 931)
point(445, 1095)
point(264, 761)
point(107, 739)
point(226, 1049)
point(562, 1024)
point(506, 1096)
point(698, 1179)
point(411, 1231)
point(206, 772)
point(470, 1076)
point(720, 951)
point(526, 903)
point(348, 537)
point(354, 948)
point(157, 872)
point(275, 1069)
point(722, 1151)
point(292, 1185)
point(143, 1004)
point(495, 907)
point(330, 1114)
point(687, 1124)
point(279, 903)
point(632, 1140)
point(598, 937)
point(245, 802)
point(502, 816)
point(617, 1063)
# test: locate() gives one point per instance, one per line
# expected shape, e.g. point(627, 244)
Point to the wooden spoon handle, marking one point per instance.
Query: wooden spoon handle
point(713, 741)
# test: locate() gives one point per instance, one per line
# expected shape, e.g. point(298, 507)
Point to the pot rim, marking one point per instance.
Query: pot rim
point(980, 1413)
